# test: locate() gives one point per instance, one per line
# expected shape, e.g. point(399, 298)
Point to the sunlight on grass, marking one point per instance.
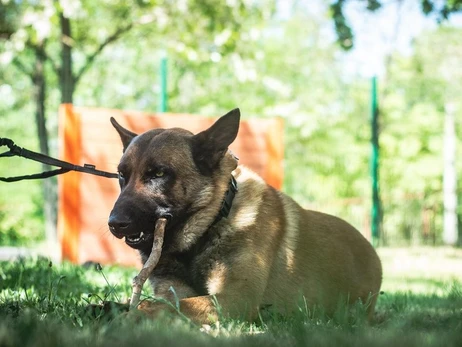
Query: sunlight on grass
point(422, 270)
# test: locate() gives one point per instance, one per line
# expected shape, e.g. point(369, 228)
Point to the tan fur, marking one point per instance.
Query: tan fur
point(269, 252)
point(283, 254)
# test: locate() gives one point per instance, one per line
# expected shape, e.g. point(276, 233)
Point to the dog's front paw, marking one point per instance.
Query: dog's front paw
point(151, 309)
point(158, 309)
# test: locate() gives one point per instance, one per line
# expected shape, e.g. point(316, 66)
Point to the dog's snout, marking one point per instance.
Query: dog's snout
point(118, 225)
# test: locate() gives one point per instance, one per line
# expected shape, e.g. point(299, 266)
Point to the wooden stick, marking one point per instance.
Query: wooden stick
point(150, 264)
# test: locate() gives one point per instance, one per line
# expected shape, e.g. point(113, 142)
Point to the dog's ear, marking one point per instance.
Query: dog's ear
point(125, 135)
point(210, 145)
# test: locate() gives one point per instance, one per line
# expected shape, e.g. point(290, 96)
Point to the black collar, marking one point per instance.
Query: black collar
point(227, 201)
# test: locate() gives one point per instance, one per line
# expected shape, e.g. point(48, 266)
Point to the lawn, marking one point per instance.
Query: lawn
point(44, 304)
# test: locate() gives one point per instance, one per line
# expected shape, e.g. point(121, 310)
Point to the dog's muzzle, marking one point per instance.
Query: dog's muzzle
point(136, 236)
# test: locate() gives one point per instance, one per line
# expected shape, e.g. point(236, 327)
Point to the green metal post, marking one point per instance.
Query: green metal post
point(163, 85)
point(376, 208)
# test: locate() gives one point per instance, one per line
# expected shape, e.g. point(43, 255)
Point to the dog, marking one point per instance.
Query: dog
point(233, 244)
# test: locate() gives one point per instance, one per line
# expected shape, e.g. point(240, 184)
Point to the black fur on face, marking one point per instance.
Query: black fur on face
point(163, 173)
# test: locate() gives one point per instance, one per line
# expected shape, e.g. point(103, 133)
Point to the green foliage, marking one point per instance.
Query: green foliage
point(31, 25)
point(268, 67)
point(343, 30)
point(441, 10)
point(326, 115)
point(21, 221)
point(412, 127)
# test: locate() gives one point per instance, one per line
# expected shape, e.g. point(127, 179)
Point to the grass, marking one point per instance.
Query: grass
point(42, 304)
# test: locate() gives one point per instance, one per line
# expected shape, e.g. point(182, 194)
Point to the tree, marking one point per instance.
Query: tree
point(51, 40)
point(442, 10)
point(33, 23)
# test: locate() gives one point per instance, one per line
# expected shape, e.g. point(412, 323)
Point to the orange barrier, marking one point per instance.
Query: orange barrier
point(85, 201)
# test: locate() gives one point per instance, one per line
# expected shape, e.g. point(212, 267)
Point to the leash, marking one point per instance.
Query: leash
point(64, 166)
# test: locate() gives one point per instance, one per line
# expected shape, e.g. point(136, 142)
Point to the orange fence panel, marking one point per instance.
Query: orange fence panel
point(85, 201)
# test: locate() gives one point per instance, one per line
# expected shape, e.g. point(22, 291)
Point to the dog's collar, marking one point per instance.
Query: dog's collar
point(227, 201)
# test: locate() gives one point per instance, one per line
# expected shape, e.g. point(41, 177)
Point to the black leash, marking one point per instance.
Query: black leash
point(64, 166)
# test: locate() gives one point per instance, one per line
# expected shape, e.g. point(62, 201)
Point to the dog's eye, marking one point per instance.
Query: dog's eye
point(157, 173)
point(121, 179)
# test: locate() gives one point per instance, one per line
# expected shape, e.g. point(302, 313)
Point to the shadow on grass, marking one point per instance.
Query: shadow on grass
point(37, 284)
point(431, 312)
point(43, 305)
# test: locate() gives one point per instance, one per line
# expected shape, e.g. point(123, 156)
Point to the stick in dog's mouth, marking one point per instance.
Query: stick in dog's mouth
point(150, 264)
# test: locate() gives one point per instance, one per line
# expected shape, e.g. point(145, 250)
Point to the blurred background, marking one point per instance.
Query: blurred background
point(369, 92)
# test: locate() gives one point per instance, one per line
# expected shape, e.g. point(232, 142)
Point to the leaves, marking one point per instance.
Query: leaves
point(345, 36)
point(236, 55)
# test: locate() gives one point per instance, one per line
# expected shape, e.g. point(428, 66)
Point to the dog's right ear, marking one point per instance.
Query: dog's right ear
point(125, 135)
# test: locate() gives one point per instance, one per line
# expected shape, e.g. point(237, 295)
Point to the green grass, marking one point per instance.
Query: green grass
point(43, 304)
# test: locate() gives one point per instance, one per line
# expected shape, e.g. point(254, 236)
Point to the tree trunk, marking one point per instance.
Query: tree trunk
point(67, 78)
point(450, 231)
point(48, 185)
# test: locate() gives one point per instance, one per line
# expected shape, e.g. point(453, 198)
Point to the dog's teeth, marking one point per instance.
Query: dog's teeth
point(141, 234)
point(134, 238)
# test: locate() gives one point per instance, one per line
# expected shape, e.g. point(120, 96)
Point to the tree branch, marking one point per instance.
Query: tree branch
point(90, 58)
point(41, 50)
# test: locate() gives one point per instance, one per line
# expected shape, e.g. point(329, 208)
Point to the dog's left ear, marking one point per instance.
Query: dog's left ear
point(210, 145)
point(125, 135)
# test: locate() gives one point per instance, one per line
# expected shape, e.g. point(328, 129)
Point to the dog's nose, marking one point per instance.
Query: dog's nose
point(117, 225)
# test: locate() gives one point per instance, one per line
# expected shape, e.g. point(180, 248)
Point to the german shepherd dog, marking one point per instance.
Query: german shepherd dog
point(232, 239)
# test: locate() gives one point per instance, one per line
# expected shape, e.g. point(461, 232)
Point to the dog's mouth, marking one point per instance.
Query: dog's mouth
point(143, 239)
point(137, 240)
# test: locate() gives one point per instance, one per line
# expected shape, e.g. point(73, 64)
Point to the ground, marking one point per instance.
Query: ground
point(43, 304)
